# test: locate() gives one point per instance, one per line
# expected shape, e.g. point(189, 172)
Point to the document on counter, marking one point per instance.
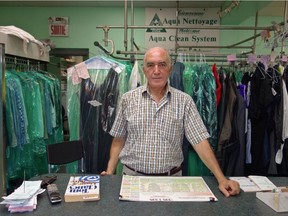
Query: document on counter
point(26, 191)
point(24, 198)
point(254, 183)
point(165, 189)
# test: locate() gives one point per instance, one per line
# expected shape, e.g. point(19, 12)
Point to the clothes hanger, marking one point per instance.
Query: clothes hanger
point(263, 73)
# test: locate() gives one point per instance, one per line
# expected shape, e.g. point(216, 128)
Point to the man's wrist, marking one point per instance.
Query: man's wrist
point(221, 178)
point(110, 171)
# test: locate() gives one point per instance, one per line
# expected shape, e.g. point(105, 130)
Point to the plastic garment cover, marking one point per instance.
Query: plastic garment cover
point(137, 77)
point(16, 115)
point(26, 122)
point(92, 105)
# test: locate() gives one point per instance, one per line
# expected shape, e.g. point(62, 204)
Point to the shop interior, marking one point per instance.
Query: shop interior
point(67, 107)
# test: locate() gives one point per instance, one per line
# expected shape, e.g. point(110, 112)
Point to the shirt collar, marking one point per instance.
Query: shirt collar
point(146, 90)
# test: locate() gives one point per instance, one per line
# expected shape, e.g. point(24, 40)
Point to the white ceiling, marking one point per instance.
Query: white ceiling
point(108, 3)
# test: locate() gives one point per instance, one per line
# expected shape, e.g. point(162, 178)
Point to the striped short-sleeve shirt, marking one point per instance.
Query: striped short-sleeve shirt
point(154, 131)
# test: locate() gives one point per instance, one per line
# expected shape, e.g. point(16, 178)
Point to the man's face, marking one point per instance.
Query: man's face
point(157, 68)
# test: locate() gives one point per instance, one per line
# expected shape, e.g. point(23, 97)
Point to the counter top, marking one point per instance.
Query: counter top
point(109, 204)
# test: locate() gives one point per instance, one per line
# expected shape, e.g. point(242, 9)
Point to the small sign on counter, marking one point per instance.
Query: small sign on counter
point(277, 200)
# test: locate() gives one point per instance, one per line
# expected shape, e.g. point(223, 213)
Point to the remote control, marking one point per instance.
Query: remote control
point(53, 193)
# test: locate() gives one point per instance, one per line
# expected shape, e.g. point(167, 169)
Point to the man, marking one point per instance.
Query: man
point(150, 125)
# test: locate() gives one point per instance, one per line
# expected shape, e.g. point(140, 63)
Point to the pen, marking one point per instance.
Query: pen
point(212, 199)
point(24, 181)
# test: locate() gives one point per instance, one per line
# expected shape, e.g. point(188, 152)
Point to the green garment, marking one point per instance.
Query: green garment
point(199, 82)
point(31, 157)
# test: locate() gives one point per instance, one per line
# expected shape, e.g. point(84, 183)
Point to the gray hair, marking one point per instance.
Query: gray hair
point(158, 48)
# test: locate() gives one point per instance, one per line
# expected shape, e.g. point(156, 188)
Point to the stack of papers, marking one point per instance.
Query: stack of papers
point(23, 198)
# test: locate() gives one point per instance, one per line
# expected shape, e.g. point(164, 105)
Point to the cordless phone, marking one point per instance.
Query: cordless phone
point(53, 193)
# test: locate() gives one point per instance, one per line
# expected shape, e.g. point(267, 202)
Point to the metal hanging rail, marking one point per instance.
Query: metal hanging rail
point(132, 27)
point(227, 27)
point(270, 28)
point(285, 20)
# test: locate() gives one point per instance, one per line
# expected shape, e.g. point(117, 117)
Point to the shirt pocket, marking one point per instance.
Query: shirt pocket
point(136, 126)
point(172, 129)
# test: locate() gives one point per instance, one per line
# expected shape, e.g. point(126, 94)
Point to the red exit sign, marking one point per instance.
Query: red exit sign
point(58, 30)
point(58, 26)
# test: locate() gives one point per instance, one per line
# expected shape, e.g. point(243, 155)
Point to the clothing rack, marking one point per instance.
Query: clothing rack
point(24, 63)
point(11, 48)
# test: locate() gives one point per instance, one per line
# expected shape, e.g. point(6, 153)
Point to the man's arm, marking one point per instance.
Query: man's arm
point(116, 147)
point(227, 187)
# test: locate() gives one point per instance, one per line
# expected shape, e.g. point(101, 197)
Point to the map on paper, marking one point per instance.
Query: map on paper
point(165, 188)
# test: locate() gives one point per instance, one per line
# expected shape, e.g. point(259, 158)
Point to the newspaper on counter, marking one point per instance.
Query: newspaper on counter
point(165, 188)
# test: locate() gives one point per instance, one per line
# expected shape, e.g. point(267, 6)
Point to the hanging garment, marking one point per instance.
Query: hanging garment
point(136, 77)
point(16, 112)
point(260, 113)
point(199, 82)
point(280, 154)
point(204, 94)
point(225, 146)
point(234, 151)
point(34, 109)
point(246, 81)
point(96, 99)
point(221, 109)
point(25, 107)
point(279, 120)
point(176, 77)
point(273, 128)
point(218, 85)
point(176, 81)
point(97, 119)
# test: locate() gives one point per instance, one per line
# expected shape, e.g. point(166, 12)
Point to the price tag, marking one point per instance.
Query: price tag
point(231, 58)
point(284, 58)
point(252, 59)
point(265, 59)
point(273, 57)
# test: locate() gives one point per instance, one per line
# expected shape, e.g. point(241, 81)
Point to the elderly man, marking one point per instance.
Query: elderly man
point(150, 125)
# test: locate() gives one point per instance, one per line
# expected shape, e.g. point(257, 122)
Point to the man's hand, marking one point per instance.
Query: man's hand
point(226, 186)
point(229, 187)
point(103, 173)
